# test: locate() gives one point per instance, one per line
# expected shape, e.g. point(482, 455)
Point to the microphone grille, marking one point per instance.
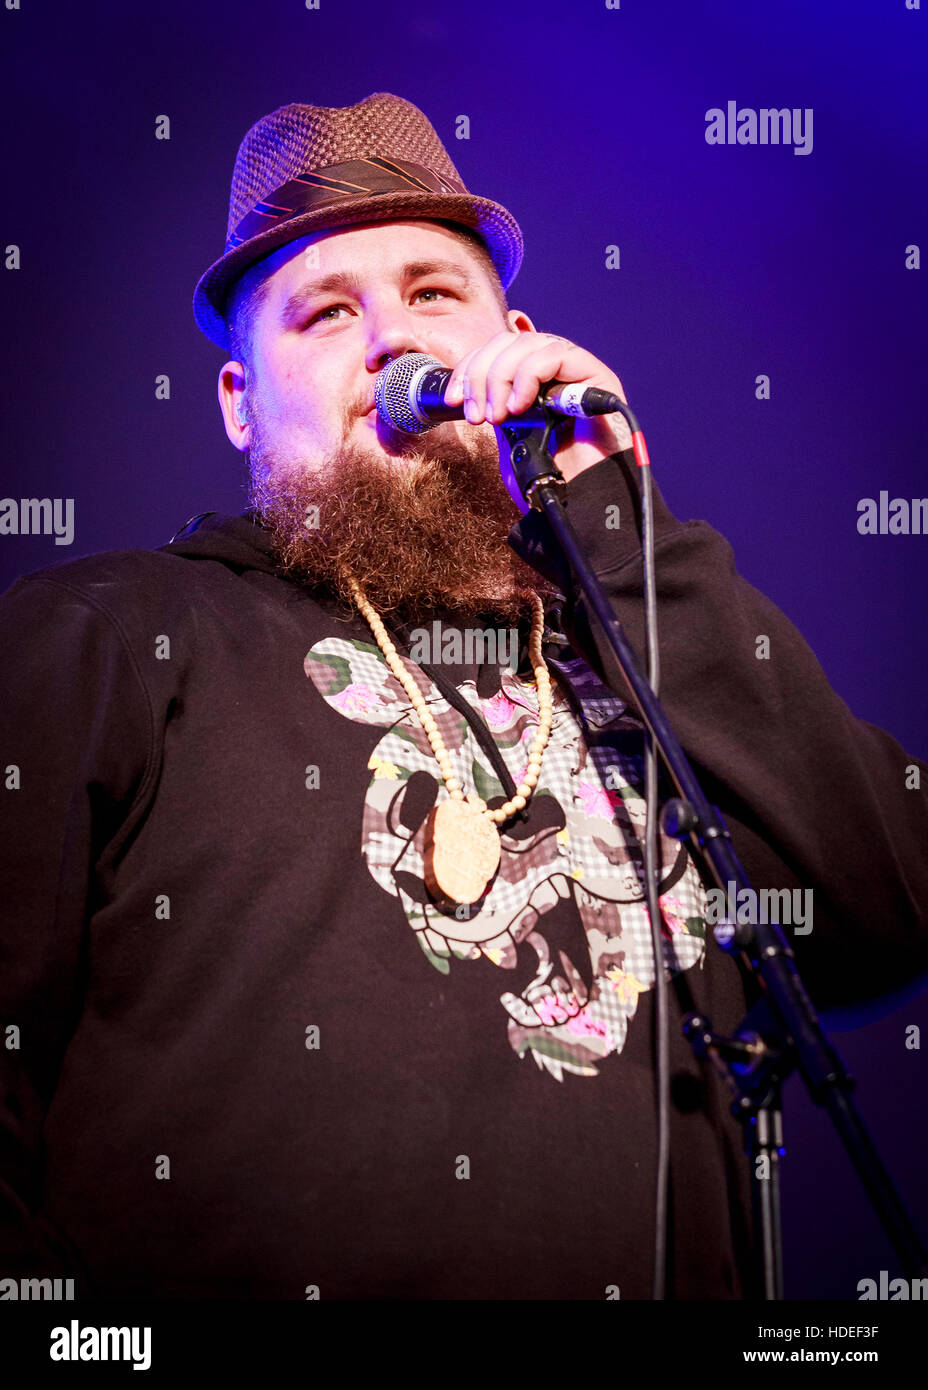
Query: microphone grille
point(392, 391)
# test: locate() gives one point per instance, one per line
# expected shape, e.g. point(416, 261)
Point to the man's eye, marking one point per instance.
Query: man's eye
point(321, 316)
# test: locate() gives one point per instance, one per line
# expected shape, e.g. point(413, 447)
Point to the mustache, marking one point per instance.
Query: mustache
point(360, 406)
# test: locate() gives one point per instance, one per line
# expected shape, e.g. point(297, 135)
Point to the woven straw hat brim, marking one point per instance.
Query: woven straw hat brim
point(497, 227)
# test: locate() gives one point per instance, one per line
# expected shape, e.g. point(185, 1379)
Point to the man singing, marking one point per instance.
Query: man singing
point(327, 964)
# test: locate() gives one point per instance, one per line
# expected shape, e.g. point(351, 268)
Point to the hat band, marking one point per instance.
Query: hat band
point(320, 188)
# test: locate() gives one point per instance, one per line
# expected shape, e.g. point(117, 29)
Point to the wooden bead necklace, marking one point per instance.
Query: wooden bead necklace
point(462, 848)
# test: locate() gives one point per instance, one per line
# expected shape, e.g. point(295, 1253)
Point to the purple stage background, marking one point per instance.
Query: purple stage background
point(589, 124)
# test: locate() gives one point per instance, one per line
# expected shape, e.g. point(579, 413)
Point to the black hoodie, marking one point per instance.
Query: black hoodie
point(241, 1058)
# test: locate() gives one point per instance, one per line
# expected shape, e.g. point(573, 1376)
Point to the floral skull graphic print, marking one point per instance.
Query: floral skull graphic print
point(565, 913)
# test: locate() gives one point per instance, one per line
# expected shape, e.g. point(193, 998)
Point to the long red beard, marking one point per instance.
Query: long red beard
point(426, 533)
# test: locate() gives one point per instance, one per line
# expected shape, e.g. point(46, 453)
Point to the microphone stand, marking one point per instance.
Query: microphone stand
point(781, 1032)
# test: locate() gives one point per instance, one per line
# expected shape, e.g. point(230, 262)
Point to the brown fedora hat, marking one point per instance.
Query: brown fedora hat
point(303, 168)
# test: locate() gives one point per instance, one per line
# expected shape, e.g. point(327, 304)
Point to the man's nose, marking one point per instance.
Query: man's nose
point(393, 335)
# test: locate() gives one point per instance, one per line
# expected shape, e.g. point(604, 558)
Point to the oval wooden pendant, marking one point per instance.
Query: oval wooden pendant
point(462, 852)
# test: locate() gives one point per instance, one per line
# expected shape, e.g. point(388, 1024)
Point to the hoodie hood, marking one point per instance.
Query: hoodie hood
point(241, 542)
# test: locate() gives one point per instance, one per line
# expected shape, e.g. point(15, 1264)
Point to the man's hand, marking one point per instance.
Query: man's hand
point(503, 378)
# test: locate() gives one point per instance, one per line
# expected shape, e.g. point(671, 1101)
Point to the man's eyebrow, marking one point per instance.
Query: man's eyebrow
point(341, 282)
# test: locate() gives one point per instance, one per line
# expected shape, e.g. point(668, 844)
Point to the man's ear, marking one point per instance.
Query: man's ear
point(519, 322)
point(232, 404)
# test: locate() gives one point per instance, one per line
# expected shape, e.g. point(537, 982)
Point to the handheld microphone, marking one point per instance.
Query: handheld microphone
point(410, 396)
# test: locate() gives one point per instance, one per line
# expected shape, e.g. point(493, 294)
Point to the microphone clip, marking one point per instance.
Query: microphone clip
point(531, 466)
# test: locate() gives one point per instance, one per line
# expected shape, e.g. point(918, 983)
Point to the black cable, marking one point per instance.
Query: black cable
point(652, 867)
point(652, 875)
